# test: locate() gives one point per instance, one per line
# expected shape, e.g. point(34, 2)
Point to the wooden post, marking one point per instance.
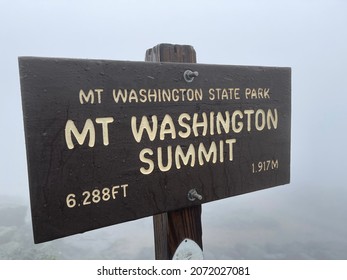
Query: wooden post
point(171, 228)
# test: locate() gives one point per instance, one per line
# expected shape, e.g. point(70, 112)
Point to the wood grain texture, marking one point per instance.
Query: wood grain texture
point(171, 228)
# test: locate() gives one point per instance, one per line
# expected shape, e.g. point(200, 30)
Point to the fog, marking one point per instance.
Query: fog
point(302, 220)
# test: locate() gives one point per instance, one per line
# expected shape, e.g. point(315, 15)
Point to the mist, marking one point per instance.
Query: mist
point(301, 220)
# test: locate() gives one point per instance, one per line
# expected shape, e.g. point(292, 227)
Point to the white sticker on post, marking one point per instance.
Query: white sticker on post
point(188, 250)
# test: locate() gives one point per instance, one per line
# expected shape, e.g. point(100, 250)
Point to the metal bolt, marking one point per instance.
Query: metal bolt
point(193, 194)
point(189, 75)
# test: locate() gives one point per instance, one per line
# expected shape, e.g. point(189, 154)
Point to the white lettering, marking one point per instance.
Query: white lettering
point(70, 128)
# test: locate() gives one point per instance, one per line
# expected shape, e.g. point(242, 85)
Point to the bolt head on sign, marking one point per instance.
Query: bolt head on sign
point(113, 141)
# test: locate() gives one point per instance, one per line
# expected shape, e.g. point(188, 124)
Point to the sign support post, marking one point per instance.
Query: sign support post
point(172, 227)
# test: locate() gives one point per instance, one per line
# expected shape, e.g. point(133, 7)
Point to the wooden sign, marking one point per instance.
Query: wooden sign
point(113, 141)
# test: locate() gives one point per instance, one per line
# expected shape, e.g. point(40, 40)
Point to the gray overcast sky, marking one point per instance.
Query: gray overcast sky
point(305, 219)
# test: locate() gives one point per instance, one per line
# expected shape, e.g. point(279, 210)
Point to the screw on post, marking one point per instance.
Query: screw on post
point(193, 194)
point(189, 75)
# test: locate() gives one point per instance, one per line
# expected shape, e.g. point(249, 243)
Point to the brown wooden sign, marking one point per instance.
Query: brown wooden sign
point(113, 141)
